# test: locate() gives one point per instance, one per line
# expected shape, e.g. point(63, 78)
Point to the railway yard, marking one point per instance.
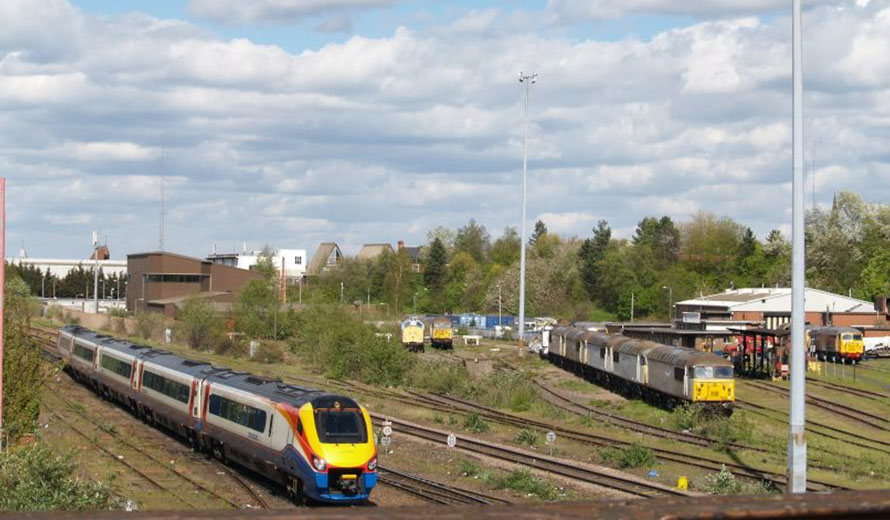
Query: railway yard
point(605, 446)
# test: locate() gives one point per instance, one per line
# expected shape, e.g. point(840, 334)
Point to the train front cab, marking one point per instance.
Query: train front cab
point(335, 434)
point(713, 385)
point(850, 346)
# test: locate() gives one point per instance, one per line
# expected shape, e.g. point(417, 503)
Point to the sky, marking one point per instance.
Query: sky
point(292, 122)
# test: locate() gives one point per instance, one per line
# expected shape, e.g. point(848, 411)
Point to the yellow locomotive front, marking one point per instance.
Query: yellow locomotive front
point(713, 385)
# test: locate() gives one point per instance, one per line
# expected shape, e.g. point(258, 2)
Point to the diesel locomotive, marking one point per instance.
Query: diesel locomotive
point(662, 374)
point(317, 444)
point(838, 344)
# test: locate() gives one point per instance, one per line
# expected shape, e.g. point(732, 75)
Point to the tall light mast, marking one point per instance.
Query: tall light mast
point(529, 80)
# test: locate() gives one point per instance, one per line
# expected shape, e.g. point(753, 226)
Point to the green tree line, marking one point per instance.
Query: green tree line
point(597, 276)
point(78, 282)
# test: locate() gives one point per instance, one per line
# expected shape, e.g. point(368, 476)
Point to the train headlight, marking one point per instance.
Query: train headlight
point(373, 464)
point(319, 463)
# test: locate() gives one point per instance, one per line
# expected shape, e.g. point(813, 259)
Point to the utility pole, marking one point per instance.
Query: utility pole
point(631, 307)
point(2, 294)
point(499, 306)
point(95, 271)
point(528, 80)
point(797, 440)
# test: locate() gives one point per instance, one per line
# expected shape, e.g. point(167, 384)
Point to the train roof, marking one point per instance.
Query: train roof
point(637, 347)
point(273, 389)
point(278, 391)
point(682, 356)
point(835, 330)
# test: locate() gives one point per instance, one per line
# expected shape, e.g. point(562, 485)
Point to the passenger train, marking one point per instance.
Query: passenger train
point(662, 374)
point(319, 445)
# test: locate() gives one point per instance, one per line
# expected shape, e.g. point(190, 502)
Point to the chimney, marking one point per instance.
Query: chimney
point(401, 245)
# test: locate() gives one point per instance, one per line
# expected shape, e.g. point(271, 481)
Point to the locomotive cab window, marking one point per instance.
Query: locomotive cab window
point(603, 353)
point(340, 426)
point(852, 337)
point(615, 356)
point(704, 372)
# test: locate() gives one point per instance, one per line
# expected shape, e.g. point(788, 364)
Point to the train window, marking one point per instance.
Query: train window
point(723, 372)
point(704, 372)
point(84, 353)
point(678, 373)
point(121, 368)
point(340, 427)
point(602, 353)
point(168, 387)
point(238, 413)
point(614, 356)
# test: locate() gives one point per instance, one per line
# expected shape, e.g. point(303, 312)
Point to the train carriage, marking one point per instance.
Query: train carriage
point(317, 444)
point(664, 374)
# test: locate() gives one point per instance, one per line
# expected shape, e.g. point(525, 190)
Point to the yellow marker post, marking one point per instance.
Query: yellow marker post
point(683, 483)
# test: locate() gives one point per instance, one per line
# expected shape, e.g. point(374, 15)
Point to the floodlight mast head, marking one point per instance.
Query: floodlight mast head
point(521, 77)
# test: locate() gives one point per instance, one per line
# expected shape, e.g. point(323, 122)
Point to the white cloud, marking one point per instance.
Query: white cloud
point(605, 9)
point(374, 139)
point(275, 11)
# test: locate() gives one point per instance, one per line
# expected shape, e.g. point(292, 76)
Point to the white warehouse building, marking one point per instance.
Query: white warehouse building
point(293, 260)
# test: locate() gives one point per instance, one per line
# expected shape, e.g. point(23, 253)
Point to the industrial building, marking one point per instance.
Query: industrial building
point(293, 260)
point(772, 307)
point(163, 282)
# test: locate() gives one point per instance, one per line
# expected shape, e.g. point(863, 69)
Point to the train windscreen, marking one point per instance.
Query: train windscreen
point(341, 427)
point(713, 372)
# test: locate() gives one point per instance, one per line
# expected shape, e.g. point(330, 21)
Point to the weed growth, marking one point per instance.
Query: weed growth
point(529, 437)
point(633, 456)
point(475, 423)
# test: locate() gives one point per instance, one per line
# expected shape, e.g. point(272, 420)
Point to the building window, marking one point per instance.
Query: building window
point(175, 278)
point(121, 368)
point(168, 387)
point(298, 260)
point(238, 413)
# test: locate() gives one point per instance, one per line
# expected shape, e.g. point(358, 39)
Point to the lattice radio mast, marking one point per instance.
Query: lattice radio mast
point(162, 217)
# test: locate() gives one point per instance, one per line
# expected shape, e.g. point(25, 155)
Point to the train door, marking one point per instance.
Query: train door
point(582, 355)
point(687, 382)
point(643, 371)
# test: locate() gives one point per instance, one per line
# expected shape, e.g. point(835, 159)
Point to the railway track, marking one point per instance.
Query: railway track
point(160, 482)
point(858, 392)
point(869, 419)
point(447, 404)
point(434, 492)
point(583, 410)
point(570, 469)
point(49, 336)
point(844, 436)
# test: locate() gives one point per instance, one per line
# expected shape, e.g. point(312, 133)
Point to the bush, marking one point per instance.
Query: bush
point(269, 352)
point(722, 430)
point(522, 481)
point(529, 437)
point(230, 347)
point(35, 478)
point(149, 324)
point(633, 456)
point(725, 483)
point(439, 378)
point(338, 343)
point(475, 423)
point(511, 390)
point(198, 324)
point(119, 313)
point(54, 312)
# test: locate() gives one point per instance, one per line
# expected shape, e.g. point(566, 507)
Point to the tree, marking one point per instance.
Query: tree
point(474, 240)
point(24, 374)
point(255, 309)
point(874, 282)
point(199, 323)
point(540, 231)
point(592, 251)
point(660, 236)
point(507, 248)
point(436, 268)
point(748, 245)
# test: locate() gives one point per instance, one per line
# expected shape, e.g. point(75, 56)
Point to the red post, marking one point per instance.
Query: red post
point(2, 292)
